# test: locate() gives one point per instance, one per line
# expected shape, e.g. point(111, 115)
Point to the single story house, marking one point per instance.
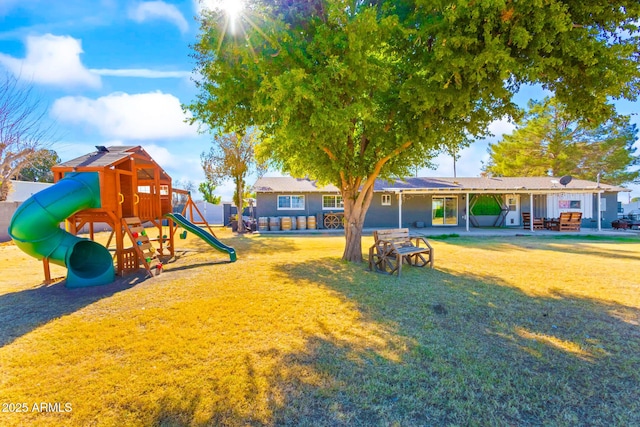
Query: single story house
point(445, 202)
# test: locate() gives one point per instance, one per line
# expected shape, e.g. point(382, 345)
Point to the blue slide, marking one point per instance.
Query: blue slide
point(207, 237)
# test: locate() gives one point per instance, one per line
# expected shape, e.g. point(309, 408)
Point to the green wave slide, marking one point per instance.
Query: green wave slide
point(207, 237)
point(35, 229)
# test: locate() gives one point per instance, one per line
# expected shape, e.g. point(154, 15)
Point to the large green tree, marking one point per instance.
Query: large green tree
point(346, 92)
point(549, 142)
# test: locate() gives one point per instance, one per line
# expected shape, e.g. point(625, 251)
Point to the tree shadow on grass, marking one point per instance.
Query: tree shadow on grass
point(23, 311)
point(448, 350)
point(478, 352)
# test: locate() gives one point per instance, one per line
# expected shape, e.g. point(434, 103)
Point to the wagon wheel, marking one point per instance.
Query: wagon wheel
point(332, 221)
point(383, 260)
point(388, 265)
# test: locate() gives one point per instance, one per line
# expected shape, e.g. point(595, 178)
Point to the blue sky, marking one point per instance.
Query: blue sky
point(115, 72)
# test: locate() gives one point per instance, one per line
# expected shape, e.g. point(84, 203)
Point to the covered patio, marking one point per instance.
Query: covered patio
point(543, 200)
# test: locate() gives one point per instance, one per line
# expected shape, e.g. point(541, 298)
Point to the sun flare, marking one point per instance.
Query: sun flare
point(231, 8)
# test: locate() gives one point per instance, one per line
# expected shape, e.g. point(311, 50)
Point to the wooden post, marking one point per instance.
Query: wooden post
point(47, 271)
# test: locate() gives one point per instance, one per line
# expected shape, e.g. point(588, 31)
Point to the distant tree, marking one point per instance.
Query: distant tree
point(207, 188)
point(23, 129)
point(179, 200)
point(39, 169)
point(233, 156)
point(245, 197)
point(346, 92)
point(549, 142)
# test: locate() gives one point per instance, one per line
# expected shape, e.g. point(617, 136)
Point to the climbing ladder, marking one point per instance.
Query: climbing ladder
point(145, 254)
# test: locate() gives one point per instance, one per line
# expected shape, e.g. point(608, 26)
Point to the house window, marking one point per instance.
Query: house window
point(291, 202)
point(164, 190)
point(386, 200)
point(569, 204)
point(444, 211)
point(332, 202)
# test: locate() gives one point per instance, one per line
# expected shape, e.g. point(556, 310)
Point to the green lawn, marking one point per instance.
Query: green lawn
point(517, 331)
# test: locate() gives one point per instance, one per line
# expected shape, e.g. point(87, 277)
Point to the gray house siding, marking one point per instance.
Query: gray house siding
point(416, 208)
point(379, 215)
point(268, 204)
point(611, 212)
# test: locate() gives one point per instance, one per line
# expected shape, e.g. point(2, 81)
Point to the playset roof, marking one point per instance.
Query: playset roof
point(106, 157)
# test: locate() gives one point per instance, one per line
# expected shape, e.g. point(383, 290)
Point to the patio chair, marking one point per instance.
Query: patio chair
point(538, 223)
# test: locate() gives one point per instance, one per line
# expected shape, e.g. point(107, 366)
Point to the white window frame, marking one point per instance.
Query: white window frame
point(445, 199)
point(336, 205)
point(385, 200)
point(290, 208)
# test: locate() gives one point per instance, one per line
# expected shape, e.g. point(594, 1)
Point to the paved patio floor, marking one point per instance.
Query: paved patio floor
point(473, 231)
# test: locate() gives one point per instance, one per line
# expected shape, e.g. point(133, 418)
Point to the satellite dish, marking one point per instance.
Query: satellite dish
point(565, 180)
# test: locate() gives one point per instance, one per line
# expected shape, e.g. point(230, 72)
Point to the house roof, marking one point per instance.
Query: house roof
point(293, 185)
point(435, 185)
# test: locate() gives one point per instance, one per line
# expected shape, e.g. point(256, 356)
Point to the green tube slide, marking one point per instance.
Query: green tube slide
point(207, 237)
point(35, 229)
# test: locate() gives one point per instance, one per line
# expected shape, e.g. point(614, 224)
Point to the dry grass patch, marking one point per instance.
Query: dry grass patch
point(503, 332)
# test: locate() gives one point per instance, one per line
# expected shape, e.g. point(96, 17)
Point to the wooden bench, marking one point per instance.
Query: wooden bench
point(394, 247)
point(569, 221)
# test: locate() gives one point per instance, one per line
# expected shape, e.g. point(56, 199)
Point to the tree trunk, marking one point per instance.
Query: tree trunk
point(355, 210)
point(239, 201)
point(5, 188)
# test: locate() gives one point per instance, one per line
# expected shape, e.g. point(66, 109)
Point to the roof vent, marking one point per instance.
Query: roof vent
point(102, 149)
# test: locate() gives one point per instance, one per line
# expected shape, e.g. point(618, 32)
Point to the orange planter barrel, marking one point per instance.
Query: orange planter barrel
point(285, 223)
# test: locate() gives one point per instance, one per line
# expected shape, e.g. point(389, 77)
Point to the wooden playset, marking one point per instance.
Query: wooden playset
point(122, 188)
point(134, 190)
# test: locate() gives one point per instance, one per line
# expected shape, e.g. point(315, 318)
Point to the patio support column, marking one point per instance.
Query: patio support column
point(531, 215)
point(467, 211)
point(599, 212)
point(400, 209)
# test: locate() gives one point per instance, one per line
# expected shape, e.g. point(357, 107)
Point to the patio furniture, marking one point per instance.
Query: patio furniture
point(551, 223)
point(538, 223)
point(627, 222)
point(568, 221)
point(394, 247)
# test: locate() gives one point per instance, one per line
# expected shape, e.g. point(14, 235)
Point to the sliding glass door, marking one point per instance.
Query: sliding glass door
point(444, 210)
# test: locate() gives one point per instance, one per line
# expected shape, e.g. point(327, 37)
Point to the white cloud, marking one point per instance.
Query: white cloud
point(149, 10)
point(142, 72)
point(52, 60)
point(162, 156)
point(145, 116)
point(501, 127)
